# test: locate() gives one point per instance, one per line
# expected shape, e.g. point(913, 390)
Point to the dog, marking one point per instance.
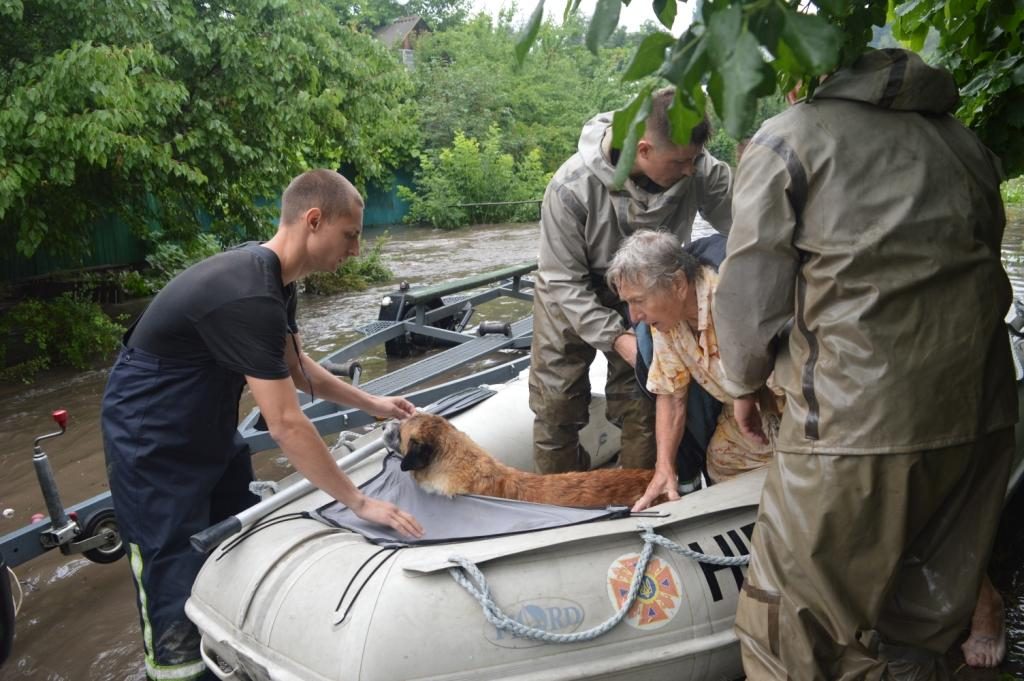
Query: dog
point(444, 460)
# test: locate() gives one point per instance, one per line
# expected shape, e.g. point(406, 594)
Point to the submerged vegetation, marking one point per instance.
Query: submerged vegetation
point(70, 331)
point(355, 274)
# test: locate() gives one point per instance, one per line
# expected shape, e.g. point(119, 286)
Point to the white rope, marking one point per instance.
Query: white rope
point(651, 537)
point(470, 578)
point(481, 591)
point(21, 592)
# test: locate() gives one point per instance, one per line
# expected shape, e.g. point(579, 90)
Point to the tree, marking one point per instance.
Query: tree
point(738, 51)
point(162, 112)
point(467, 81)
point(980, 43)
point(476, 173)
point(440, 15)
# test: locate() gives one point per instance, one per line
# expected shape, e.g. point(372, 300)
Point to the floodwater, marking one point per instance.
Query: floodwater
point(78, 620)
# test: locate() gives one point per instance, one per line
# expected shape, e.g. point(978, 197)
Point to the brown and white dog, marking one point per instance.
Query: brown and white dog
point(444, 460)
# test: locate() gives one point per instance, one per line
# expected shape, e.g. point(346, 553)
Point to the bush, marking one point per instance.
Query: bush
point(469, 172)
point(170, 259)
point(1013, 191)
point(355, 274)
point(135, 285)
point(69, 330)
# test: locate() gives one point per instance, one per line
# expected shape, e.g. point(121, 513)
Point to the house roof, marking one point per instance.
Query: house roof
point(395, 32)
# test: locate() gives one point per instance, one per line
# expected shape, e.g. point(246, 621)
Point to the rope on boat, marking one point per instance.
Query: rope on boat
point(477, 586)
point(469, 577)
point(21, 592)
point(651, 537)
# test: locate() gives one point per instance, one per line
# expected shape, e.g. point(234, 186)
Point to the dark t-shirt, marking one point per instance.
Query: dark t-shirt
point(230, 309)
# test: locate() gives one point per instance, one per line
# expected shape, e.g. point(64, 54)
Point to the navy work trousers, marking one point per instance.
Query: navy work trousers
point(176, 465)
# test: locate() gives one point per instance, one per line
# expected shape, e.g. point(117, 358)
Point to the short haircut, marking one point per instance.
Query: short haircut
point(657, 131)
point(651, 259)
point(321, 188)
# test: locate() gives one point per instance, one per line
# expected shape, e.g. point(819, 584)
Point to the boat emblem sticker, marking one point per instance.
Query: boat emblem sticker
point(659, 597)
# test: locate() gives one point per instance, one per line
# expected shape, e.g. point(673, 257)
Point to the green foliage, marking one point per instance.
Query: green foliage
point(153, 110)
point(1013, 191)
point(69, 330)
point(169, 259)
point(980, 43)
point(467, 80)
point(469, 172)
point(439, 15)
point(355, 274)
point(723, 147)
point(744, 50)
point(135, 284)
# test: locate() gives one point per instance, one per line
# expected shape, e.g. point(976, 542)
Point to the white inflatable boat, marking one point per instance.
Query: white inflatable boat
point(303, 601)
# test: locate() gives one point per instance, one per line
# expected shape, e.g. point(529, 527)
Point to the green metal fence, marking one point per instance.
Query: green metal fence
point(113, 244)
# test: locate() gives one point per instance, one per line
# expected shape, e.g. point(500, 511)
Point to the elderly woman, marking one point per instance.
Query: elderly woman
point(672, 292)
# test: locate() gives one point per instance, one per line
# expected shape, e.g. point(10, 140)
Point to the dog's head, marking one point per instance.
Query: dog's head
point(415, 439)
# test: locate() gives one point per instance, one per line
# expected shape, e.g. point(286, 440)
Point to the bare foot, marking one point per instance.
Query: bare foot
point(986, 645)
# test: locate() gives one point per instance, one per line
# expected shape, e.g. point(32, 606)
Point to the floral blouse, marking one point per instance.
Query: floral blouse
point(683, 354)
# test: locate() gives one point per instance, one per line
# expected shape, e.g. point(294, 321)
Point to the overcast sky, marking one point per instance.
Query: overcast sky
point(631, 17)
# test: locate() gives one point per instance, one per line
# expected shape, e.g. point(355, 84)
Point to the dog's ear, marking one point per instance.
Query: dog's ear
point(418, 455)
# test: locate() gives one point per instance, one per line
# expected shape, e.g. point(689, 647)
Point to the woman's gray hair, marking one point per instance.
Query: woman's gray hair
point(650, 259)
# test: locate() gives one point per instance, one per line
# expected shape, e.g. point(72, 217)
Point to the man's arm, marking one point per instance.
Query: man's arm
point(669, 424)
point(298, 439)
point(564, 265)
point(328, 386)
point(754, 298)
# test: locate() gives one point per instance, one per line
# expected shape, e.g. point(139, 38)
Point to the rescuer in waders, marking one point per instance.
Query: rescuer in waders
point(584, 218)
point(870, 218)
point(175, 460)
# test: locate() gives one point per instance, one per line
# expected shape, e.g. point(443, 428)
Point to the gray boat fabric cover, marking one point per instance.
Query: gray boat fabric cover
point(452, 519)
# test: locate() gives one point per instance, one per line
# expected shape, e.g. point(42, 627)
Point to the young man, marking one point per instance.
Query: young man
point(584, 218)
point(175, 460)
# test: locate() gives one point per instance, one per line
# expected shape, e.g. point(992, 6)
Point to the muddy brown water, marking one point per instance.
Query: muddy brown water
point(78, 620)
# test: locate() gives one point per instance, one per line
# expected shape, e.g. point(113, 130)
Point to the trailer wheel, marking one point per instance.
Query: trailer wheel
point(97, 522)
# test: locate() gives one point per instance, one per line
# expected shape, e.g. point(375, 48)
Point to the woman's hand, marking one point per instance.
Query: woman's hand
point(749, 419)
point(663, 483)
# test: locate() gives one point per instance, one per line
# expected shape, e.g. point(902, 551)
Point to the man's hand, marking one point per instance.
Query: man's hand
point(384, 513)
point(625, 345)
point(749, 419)
point(663, 482)
point(392, 408)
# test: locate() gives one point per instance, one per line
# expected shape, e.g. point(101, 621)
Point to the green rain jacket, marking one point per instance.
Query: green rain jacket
point(871, 219)
point(584, 219)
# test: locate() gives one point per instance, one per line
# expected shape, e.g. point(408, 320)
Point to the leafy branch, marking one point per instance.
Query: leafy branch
point(736, 52)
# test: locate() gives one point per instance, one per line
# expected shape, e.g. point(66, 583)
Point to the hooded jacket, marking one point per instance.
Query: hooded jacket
point(871, 219)
point(584, 219)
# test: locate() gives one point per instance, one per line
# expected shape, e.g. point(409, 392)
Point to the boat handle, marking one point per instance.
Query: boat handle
point(214, 666)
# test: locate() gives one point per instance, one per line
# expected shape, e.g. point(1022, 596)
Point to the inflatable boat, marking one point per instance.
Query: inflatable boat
point(298, 598)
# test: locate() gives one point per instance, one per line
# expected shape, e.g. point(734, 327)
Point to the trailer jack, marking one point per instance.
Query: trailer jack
point(98, 538)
